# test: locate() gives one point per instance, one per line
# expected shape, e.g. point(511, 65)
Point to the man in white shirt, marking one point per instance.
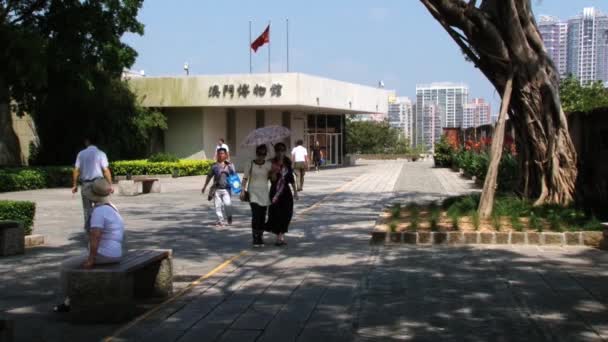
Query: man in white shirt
point(222, 144)
point(299, 155)
point(91, 164)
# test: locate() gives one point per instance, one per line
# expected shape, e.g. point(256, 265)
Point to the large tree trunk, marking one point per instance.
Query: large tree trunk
point(10, 150)
point(500, 36)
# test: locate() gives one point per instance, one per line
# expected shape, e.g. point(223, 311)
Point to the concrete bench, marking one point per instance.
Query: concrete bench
point(138, 186)
point(12, 238)
point(107, 293)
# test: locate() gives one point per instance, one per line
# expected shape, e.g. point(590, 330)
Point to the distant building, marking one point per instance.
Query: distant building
point(579, 46)
point(448, 99)
point(477, 113)
point(588, 46)
point(430, 132)
point(400, 115)
point(555, 36)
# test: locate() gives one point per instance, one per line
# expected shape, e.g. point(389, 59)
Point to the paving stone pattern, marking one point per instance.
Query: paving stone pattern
point(330, 283)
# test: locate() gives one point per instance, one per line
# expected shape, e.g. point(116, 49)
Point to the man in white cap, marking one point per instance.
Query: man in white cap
point(91, 164)
point(105, 232)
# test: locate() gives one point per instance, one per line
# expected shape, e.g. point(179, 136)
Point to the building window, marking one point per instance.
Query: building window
point(231, 130)
point(259, 118)
point(286, 119)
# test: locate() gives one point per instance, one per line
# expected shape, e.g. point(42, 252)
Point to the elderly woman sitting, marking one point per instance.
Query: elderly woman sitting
point(105, 231)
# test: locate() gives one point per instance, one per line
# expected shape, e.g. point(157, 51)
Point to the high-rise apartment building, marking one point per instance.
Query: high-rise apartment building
point(400, 116)
point(448, 99)
point(555, 36)
point(579, 46)
point(430, 126)
point(588, 46)
point(477, 113)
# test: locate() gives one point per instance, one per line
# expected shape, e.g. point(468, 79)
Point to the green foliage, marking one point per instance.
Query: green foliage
point(63, 66)
point(370, 137)
point(578, 98)
point(414, 211)
point(496, 221)
point(475, 219)
point(21, 211)
point(396, 211)
point(393, 227)
point(20, 179)
point(143, 167)
point(444, 153)
point(162, 157)
point(535, 222)
point(516, 223)
point(477, 164)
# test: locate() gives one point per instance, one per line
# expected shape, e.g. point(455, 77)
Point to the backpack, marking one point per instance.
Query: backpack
point(235, 183)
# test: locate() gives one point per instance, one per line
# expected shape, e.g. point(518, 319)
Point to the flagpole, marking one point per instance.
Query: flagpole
point(287, 22)
point(269, 46)
point(249, 46)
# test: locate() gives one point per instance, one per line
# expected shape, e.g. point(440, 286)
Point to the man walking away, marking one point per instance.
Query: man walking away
point(222, 144)
point(300, 157)
point(220, 190)
point(91, 164)
point(317, 155)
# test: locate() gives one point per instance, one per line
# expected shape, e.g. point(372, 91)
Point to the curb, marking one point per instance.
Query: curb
point(34, 240)
point(596, 239)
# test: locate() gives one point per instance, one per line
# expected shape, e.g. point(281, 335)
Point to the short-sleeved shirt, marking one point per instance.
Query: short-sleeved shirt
point(300, 154)
point(220, 173)
point(112, 226)
point(258, 182)
point(91, 161)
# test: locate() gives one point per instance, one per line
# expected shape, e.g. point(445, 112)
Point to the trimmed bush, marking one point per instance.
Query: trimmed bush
point(31, 178)
point(163, 157)
point(444, 153)
point(144, 167)
point(21, 211)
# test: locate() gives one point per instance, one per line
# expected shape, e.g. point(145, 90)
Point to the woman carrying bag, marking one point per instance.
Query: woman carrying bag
point(256, 192)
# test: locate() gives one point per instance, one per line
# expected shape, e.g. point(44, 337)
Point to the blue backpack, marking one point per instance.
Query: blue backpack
point(235, 183)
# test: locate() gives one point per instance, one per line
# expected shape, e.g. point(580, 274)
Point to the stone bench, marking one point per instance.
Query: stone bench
point(12, 238)
point(107, 293)
point(138, 186)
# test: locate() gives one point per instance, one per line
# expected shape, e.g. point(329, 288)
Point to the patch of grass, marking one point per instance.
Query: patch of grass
point(393, 227)
point(593, 224)
point(454, 216)
point(414, 211)
point(434, 217)
point(396, 211)
point(512, 206)
point(516, 223)
point(496, 220)
point(535, 222)
point(554, 221)
point(475, 219)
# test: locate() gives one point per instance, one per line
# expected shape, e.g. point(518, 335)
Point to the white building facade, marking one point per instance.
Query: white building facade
point(401, 116)
point(555, 37)
point(588, 46)
point(202, 109)
point(477, 113)
point(449, 100)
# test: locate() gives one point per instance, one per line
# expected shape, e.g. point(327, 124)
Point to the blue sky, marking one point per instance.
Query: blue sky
point(396, 41)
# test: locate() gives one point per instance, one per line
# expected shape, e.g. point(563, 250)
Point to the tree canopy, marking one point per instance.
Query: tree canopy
point(582, 98)
point(62, 63)
point(371, 137)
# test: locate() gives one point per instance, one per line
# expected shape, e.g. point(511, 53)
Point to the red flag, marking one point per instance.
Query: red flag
point(262, 39)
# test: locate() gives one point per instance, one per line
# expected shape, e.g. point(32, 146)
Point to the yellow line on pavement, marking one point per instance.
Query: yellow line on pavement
point(179, 294)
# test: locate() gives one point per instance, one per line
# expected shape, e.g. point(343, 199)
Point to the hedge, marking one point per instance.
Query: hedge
point(22, 211)
point(143, 167)
point(31, 178)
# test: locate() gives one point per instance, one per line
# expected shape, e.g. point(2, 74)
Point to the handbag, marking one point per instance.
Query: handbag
point(245, 195)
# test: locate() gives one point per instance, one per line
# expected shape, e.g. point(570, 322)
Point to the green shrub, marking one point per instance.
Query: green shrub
point(21, 211)
point(496, 221)
point(393, 227)
point(162, 157)
point(31, 178)
point(535, 222)
point(143, 167)
point(414, 211)
point(444, 153)
point(516, 223)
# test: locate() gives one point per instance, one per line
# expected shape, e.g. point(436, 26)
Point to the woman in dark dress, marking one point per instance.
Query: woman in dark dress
point(280, 211)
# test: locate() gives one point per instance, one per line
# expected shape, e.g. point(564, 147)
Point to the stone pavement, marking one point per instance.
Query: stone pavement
point(329, 284)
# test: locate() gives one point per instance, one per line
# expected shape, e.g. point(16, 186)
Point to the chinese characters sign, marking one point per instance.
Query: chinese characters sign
point(244, 90)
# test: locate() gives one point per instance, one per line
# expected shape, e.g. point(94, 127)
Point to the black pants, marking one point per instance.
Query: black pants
point(258, 220)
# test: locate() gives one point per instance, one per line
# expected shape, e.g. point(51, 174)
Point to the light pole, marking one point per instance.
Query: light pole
point(187, 68)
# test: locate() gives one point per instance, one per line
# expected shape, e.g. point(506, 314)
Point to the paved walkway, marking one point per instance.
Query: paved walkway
point(329, 284)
